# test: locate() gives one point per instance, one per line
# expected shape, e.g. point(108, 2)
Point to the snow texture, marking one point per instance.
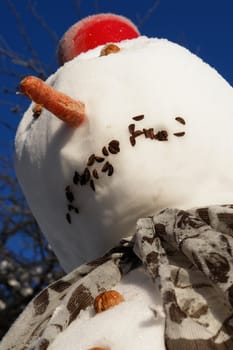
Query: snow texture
point(137, 323)
point(150, 77)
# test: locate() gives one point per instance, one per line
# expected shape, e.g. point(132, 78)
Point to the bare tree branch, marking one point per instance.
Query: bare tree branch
point(96, 6)
point(22, 30)
point(27, 268)
point(148, 14)
point(42, 22)
point(77, 4)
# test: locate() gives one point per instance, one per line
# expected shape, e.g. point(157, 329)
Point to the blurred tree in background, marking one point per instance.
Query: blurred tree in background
point(27, 263)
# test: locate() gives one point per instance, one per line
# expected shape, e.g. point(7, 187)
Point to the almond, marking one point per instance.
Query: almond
point(106, 300)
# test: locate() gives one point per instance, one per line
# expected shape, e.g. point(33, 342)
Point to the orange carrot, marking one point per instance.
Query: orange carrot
point(62, 106)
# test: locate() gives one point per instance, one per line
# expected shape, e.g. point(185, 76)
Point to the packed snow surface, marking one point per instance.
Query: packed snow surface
point(190, 167)
point(137, 323)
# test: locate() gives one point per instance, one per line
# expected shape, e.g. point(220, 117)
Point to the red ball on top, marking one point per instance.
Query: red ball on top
point(93, 31)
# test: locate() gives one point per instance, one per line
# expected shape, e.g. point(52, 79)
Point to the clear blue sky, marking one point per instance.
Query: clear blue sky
point(203, 26)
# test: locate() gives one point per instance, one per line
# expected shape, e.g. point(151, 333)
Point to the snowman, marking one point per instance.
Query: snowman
point(117, 146)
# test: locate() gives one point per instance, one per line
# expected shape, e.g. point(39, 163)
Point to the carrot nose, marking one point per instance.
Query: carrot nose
point(62, 106)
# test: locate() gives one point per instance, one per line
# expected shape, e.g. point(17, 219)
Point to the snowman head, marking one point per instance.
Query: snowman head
point(137, 130)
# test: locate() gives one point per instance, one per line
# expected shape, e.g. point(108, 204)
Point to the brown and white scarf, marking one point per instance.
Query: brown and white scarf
point(192, 254)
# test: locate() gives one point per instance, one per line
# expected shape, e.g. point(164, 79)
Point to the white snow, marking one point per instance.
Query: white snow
point(2, 305)
point(153, 77)
point(162, 81)
point(4, 264)
point(137, 323)
point(26, 291)
point(13, 282)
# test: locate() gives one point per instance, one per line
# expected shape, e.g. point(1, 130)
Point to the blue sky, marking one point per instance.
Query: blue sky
point(203, 26)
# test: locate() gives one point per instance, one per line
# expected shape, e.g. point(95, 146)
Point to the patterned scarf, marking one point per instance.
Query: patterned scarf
point(192, 254)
